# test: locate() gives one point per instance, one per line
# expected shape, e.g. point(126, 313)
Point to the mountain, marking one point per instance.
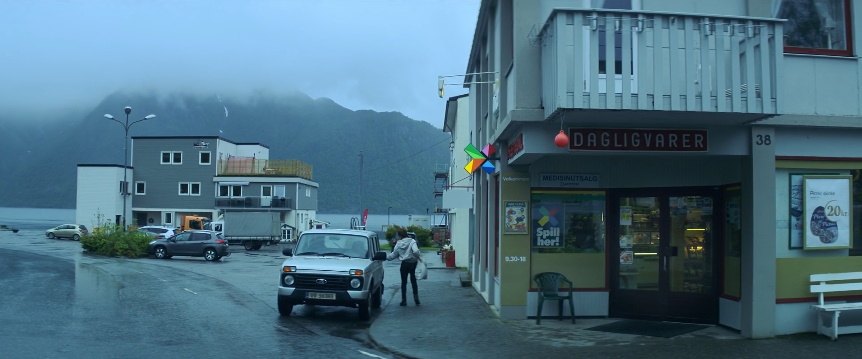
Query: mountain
point(398, 154)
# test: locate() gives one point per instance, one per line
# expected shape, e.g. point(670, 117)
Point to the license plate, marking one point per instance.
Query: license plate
point(315, 295)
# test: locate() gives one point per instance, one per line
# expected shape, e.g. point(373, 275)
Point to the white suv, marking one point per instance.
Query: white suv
point(158, 232)
point(333, 267)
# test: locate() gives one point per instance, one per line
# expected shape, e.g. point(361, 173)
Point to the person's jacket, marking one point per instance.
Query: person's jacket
point(405, 250)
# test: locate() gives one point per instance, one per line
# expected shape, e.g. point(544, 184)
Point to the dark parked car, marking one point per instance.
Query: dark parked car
point(208, 244)
point(73, 231)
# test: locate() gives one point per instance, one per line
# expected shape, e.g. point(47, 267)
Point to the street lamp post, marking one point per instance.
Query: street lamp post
point(126, 126)
point(387, 216)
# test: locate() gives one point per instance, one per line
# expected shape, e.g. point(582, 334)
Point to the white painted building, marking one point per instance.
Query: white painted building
point(94, 204)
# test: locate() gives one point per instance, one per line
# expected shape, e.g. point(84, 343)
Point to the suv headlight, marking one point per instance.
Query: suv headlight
point(288, 280)
point(355, 283)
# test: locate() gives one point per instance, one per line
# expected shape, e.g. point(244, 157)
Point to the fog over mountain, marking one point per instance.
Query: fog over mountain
point(379, 55)
point(399, 153)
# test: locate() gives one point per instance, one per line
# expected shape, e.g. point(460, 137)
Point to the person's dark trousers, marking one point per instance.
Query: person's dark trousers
point(409, 268)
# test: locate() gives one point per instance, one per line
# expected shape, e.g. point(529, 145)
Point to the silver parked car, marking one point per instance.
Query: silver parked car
point(333, 267)
point(73, 231)
point(208, 244)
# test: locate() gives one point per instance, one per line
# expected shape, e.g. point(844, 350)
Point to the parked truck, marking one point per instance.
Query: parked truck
point(251, 229)
point(190, 222)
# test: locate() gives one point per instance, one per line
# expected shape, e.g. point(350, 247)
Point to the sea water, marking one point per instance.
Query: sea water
point(44, 218)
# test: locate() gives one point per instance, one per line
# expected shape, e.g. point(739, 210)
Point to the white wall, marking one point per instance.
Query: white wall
point(730, 313)
point(809, 142)
point(459, 199)
point(256, 151)
point(98, 195)
point(587, 304)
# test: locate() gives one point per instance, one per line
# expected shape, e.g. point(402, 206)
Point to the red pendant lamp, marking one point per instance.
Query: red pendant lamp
point(561, 140)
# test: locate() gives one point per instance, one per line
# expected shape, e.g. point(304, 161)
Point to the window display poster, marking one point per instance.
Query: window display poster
point(625, 215)
point(547, 223)
point(827, 212)
point(627, 257)
point(516, 217)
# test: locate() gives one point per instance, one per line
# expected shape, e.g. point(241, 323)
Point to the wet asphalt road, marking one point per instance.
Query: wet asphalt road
point(59, 302)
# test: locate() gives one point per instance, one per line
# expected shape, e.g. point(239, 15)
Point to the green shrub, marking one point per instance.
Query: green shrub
point(423, 235)
point(110, 240)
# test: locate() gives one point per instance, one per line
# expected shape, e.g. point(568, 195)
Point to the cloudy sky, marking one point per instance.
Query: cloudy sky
point(383, 55)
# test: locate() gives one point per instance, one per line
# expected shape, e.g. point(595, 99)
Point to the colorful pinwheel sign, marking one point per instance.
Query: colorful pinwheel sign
point(479, 159)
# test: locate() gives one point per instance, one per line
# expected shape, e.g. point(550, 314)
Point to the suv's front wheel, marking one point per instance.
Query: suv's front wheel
point(284, 307)
point(365, 309)
point(377, 297)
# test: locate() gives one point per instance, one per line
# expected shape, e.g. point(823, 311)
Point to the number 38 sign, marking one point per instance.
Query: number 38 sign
point(828, 219)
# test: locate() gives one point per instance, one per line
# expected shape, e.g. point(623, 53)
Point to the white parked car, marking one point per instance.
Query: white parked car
point(333, 267)
point(158, 232)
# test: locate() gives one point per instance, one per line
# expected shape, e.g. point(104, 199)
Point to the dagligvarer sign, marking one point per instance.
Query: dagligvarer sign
point(623, 139)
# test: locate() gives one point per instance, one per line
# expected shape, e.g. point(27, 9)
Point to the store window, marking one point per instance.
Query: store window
point(567, 235)
point(815, 26)
point(732, 286)
point(856, 245)
point(568, 222)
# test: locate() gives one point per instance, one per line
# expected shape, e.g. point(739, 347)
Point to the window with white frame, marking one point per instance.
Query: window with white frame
point(816, 26)
point(230, 191)
point(189, 188)
point(204, 157)
point(140, 187)
point(172, 157)
point(169, 218)
point(307, 192)
point(266, 191)
point(124, 187)
point(602, 25)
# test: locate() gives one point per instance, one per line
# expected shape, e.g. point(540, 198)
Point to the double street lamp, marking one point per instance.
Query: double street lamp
point(125, 186)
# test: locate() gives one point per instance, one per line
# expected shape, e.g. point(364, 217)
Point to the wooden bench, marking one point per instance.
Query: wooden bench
point(835, 283)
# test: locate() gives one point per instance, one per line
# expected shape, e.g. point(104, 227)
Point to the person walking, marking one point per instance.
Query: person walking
point(407, 251)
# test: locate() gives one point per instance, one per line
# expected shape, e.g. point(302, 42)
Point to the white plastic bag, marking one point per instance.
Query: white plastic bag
point(421, 270)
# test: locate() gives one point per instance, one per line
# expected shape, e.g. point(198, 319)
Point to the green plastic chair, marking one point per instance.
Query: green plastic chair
point(549, 289)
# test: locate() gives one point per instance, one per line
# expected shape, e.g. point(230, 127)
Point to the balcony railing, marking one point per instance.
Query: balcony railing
point(254, 202)
point(634, 60)
point(246, 166)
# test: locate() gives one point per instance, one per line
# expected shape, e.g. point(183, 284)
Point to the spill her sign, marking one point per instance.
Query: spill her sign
point(547, 225)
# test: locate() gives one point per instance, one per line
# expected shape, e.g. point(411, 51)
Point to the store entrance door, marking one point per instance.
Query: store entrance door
point(665, 254)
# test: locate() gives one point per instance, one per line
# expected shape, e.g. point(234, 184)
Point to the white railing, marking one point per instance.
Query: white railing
point(598, 59)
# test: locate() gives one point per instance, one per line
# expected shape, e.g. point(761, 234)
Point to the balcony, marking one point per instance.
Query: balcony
point(249, 166)
point(253, 203)
point(661, 62)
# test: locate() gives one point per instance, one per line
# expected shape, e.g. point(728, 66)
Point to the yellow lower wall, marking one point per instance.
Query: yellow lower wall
point(793, 273)
point(732, 276)
point(585, 270)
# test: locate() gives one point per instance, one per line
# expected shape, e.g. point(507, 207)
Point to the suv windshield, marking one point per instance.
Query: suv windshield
point(326, 244)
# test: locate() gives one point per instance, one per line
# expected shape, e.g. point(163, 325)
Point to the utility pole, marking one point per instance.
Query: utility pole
point(360, 185)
